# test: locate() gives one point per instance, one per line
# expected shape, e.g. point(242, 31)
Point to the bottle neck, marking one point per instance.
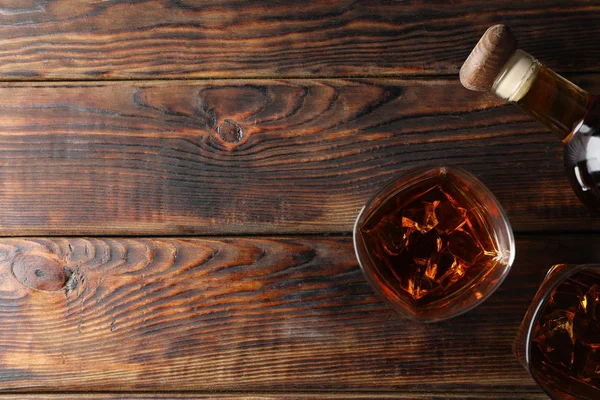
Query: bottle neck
point(545, 95)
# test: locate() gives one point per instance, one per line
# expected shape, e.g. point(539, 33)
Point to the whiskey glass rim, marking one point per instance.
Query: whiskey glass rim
point(412, 175)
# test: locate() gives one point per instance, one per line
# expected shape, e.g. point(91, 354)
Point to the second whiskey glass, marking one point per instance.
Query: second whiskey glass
point(559, 339)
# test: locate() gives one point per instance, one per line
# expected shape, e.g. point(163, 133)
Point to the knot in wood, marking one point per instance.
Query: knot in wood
point(39, 271)
point(230, 132)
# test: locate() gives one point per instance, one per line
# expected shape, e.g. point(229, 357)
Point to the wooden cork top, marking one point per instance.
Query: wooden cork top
point(488, 57)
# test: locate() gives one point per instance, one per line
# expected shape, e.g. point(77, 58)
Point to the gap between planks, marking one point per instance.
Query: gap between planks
point(400, 76)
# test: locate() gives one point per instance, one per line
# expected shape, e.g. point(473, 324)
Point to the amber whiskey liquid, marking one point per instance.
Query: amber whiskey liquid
point(565, 341)
point(431, 242)
point(556, 102)
point(572, 113)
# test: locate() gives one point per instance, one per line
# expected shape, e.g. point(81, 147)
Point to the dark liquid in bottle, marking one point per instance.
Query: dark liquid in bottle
point(574, 115)
point(582, 159)
point(429, 242)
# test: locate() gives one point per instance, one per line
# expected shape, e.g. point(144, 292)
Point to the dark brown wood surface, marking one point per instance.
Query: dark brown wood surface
point(260, 314)
point(259, 156)
point(88, 39)
point(471, 395)
point(141, 124)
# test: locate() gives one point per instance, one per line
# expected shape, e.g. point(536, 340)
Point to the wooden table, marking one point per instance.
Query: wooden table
point(182, 178)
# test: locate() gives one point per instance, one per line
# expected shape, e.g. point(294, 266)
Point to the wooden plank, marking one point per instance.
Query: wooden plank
point(258, 156)
point(253, 315)
point(81, 39)
point(472, 395)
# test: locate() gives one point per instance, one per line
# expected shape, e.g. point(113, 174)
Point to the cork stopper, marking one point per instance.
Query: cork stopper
point(485, 62)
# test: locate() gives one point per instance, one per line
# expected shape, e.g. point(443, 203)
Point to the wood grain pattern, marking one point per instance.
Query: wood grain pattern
point(82, 39)
point(259, 156)
point(471, 395)
point(252, 314)
point(263, 318)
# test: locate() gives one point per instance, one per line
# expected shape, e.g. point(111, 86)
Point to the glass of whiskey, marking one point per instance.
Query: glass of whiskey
point(434, 243)
point(559, 339)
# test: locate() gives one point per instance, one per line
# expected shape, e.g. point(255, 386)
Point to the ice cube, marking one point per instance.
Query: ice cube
point(450, 217)
point(568, 296)
point(422, 219)
point(464, 247)
point(586, 330)
point(443, 259)
point(423, 246)
point(419, 285)
point(589, 363)
point(431, 269)
point(590, 303)
point(556, 339)
point(458, 272)
point(390, 235)
point(448, 269)
point(414, 287)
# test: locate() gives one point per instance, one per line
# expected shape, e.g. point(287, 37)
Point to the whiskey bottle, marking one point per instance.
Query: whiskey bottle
point(496, 65)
